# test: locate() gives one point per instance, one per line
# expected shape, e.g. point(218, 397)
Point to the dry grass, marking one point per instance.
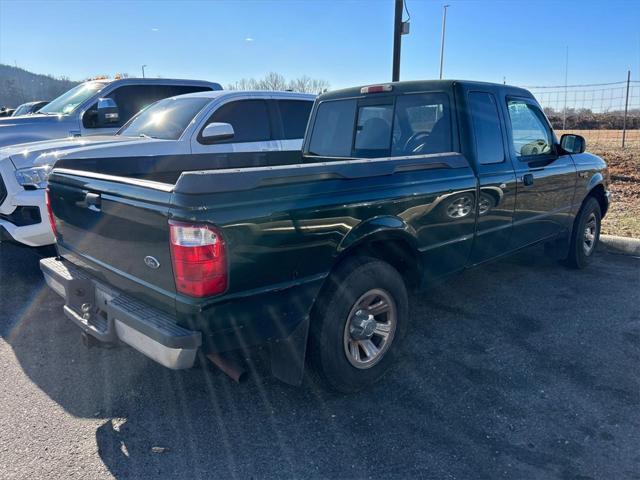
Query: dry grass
point(624, 167)
point(607, 138)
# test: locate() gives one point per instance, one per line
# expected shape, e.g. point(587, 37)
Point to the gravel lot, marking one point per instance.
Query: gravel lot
point(520, 369)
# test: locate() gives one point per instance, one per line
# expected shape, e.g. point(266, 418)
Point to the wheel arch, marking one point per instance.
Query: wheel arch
point(597, 190)
point(389, 239)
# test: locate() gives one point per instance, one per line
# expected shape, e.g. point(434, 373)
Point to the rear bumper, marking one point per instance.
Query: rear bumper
point(110, 315)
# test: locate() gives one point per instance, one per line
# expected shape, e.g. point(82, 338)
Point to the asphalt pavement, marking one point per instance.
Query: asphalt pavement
point(519, 369)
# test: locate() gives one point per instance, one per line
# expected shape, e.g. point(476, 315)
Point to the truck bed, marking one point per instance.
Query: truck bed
point(283, 226)
point(169, 168)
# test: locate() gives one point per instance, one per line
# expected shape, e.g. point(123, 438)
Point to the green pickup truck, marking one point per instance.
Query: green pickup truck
point(397, 185)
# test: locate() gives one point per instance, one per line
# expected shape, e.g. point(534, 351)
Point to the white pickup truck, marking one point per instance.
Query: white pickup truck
point(96, 107)
point(174, 134)
point(93, 108)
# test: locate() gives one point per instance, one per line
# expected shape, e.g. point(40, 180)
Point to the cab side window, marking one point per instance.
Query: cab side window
point(531, 133)
point(486, 128)
point(249, 119)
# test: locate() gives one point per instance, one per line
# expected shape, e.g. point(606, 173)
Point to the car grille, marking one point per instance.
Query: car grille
point(3, 191)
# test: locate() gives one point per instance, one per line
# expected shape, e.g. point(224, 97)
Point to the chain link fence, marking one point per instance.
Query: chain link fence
point(595, 111)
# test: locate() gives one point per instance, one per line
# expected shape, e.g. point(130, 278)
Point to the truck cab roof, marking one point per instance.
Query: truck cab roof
point(422, 85)
point(156, 81)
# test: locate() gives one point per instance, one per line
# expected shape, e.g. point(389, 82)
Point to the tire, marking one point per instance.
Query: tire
point(337, 332)
point(589, 217)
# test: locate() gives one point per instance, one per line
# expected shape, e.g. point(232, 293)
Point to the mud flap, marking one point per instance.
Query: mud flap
point(288, 355)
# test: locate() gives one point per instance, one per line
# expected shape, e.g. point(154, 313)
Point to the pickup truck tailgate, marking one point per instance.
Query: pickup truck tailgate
point(116, 227)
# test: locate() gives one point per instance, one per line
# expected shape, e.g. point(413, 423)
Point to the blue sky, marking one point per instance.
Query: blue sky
point(344, 42)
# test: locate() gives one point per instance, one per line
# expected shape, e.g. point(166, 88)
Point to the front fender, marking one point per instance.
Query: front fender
point(383, 226)
point(596, 179)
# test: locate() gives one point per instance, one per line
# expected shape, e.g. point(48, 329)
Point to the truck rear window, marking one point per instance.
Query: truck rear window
point(412, 124)
point(333, 129)
point(422, 125)
point(373, 131)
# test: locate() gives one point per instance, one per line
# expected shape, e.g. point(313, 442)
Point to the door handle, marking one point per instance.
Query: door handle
point(92, 201)
point(527, 179)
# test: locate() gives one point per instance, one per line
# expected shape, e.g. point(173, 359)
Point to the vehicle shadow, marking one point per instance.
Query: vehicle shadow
point(464, 401)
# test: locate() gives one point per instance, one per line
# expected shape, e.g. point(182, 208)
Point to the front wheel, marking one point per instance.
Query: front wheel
point(585, 235)
point(358, 324)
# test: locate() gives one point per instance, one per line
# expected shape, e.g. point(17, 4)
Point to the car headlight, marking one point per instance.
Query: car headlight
point(34, 177)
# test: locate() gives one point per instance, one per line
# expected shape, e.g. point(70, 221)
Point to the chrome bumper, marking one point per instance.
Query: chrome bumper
point(110, 315)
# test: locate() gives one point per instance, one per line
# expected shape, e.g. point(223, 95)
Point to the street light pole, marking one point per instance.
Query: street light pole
point(566, 80)
point(397, 40)
point(143, 70)
point(444, 26)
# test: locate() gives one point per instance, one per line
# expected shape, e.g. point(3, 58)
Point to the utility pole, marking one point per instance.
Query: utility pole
point(626, 109)
point(444, 27)
point(397, 40)
point(566, 77)
point(143, 70)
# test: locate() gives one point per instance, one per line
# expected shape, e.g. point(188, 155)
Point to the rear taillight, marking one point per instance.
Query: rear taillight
point(52, 221)
point(199, 259)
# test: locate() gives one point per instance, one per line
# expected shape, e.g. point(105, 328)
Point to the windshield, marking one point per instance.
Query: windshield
point(69, 101)
point(166, 119)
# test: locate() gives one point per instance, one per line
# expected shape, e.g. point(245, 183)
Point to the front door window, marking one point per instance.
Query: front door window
point(531, 134)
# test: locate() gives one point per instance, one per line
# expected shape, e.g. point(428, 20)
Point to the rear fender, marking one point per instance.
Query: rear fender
point(390, 239)
point(287, 355)
point(379, 228)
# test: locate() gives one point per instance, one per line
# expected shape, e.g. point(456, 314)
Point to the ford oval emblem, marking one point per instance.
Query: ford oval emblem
point(151, 262)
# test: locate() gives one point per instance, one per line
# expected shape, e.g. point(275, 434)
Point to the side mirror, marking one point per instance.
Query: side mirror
point(216, 132)
point(573, 143)
point(108, 112)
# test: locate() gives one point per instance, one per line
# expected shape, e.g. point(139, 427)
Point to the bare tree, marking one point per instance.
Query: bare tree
point(244, 84)
point(318, 86)
point(276, 81)
point(273, 81)
point(308, 85)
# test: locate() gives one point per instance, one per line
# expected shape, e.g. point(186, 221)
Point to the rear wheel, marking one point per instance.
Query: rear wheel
point(585, 235)
point(358, 324)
